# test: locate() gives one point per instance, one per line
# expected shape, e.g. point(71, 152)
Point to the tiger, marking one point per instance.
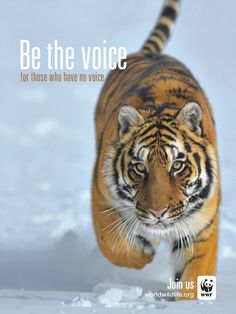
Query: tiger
point(156, 175)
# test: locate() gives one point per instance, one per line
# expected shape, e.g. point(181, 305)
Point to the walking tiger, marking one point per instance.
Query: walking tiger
point(156, 175)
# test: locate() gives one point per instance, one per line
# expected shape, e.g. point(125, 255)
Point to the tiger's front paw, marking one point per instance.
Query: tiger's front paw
point(145, 252)
point(136, 256)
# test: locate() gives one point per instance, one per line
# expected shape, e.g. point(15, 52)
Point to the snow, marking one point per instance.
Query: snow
point(64, 302)
point(111, 293)
point(49, 259)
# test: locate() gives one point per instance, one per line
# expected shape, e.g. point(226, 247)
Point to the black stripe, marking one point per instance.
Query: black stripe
point(207, 226)
point(145, 139)
point(204, 240)
point(206, 190)
point(198, 184)
point(187, 147)
point(164, 29)
point(178, 244)
point(184, 72)
point(159, 35)
point(160, 108)
point(144, 93)
point(174, 78)
point(149, 145)
point(122, 163)
point(180, 155)
point(209, 168)
point(184, 192)
point(154, 44)
point(164, 106)
point(165, 154)
point(197, 159)
point(126, 187)
point(142, 134)
point(169, 12)
point(171, 116)
point(140, 208)
point(166, 119)
point(196, 207)
point(167, 144)
point(149, 51)
point(165, 127)
point(168, 137)
point(179, 274)
point(150, 107)
point(120, 192)
point(196, 143)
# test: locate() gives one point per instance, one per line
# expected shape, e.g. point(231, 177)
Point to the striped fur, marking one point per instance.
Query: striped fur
point(163, 29)
point(156, 149)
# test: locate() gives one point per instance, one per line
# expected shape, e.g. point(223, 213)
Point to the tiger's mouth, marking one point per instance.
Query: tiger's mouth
point(156, 224)
point(162, 223)
point(159, 224)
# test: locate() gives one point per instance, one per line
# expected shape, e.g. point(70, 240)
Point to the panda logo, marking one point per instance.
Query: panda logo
point(206, 288)
point(207, 285)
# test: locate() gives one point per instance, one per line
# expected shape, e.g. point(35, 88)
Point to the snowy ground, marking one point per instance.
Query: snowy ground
point(48, 255)
point(64, 302)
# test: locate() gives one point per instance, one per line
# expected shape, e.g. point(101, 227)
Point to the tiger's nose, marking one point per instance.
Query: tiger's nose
point(158, 213)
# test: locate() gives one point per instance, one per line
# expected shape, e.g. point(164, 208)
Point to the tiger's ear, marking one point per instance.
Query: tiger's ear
point(191, 115)
point(127, 118)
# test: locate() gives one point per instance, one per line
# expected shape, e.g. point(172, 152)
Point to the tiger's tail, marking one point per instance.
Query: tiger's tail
point(162, 31)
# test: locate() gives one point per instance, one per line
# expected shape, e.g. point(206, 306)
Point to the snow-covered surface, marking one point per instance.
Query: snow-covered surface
point(47, 152)
point(110, 301)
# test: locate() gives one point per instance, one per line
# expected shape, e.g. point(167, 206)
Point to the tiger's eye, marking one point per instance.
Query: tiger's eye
point(177, 165)
point(133, 175)
point(140, 167)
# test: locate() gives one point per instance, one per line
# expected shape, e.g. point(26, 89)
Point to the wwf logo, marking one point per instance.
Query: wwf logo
point(206, 287)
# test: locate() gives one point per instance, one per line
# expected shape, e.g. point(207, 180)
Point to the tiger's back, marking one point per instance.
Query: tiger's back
point(148, 81)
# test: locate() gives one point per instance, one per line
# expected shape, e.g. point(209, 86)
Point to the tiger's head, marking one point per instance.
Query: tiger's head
point(161, 169)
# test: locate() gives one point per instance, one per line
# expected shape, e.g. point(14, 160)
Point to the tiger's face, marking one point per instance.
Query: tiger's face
point(160, 170)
